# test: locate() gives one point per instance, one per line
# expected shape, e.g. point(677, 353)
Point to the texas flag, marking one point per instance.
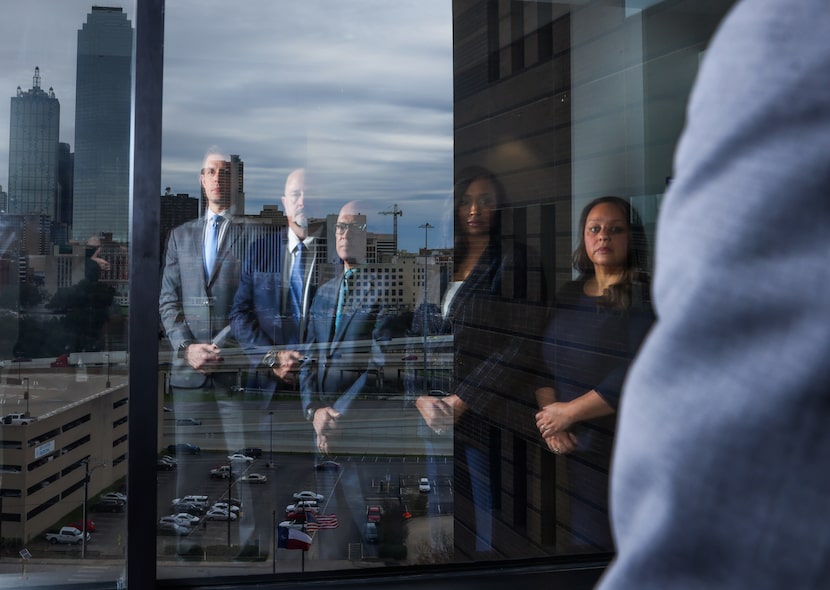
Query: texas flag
point(288, 538)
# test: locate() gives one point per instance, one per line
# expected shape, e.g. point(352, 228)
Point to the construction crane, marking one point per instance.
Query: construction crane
point(395, 212)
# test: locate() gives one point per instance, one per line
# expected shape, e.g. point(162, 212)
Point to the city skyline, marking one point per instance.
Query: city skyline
point(381, 133)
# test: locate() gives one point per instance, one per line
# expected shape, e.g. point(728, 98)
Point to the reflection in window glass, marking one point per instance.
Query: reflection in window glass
point(67, 68)
point(368, 424)
point(313, 416)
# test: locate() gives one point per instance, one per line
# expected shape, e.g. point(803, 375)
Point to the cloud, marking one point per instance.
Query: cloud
point(358, 91)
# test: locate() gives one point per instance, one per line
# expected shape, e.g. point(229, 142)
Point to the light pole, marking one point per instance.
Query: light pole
point(108, 369)
point(426, 227)
point(26, 395)
point(87, 471)
point(271, 439)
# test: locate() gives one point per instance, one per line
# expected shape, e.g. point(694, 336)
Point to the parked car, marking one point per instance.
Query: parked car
point(217, 514)
point(298, 517)
point(68, 535)
point(254, 452)
point(373, 514)
point(189, 508)
point(307, 495)
point(184, 448)
point(197, 499)
point(114, 495)
point(188, 422)
point(370, 532)
point(185, 518)
point(79, 524)
point(240, 457)
point(109, 505)
point(18, 418)
point(303, 506)
point(162, 465)
point(291, 524)
point(253, 478)
point(221, 472)
point(224, 506)
point(423, 485)
point(168, 525)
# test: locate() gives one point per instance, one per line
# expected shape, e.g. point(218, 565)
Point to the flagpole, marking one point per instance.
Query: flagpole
point(274, 541)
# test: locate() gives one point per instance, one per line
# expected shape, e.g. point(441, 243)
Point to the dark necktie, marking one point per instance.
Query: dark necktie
point(212, 244)
point(343, 298)
point(295, 283)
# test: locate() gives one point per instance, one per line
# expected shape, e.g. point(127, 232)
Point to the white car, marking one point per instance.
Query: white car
point(224, 506)
point(292, 525)
point(253, 478)
point(114, 496)
point(186, 519)
point(307, 495)
point(217, 514)
point(168, 524)
point(240, 457)
point(423, 485)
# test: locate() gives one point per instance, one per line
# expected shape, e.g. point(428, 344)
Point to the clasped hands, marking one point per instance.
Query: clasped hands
point(554, 423)
point(440, 413)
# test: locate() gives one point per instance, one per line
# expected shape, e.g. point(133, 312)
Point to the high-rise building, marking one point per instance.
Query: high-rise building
point(175, 210)
point(102, 125)
point(33, 151)
point(237, 185)
point(234, 187)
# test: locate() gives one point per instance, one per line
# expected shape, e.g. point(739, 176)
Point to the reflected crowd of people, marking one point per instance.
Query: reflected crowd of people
point(249, 319)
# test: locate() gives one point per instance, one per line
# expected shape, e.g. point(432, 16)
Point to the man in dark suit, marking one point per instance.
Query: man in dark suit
point(271, 306)
point(348, 319)
point(346, 309)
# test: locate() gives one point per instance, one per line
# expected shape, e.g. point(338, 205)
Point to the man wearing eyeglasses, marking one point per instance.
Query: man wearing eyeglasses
point(199, 281)
point(347, 319)
point(201, 273)
point(270, 308)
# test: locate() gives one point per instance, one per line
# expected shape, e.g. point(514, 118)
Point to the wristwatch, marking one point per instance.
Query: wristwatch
point(181, 351)
point(271, 359)
point(311, 410)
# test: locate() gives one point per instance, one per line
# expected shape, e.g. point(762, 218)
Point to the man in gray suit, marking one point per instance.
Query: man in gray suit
point(201, 273)
point(720, 476)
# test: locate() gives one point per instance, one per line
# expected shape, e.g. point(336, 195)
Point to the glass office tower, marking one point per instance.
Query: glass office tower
point(33, 150)
point(102, 125)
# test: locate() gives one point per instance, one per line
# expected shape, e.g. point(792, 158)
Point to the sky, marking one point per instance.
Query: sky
point(357, 92)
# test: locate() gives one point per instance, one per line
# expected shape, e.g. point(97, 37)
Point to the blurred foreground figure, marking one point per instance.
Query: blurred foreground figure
point(720, 475)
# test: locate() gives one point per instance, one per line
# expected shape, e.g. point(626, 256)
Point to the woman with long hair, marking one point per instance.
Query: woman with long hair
point(599, 322)
point(481, 355)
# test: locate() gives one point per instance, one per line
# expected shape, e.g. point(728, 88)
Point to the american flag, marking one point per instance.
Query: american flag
point(316, 522)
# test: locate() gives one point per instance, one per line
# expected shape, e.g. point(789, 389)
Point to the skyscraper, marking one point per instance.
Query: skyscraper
point(102, 125)
point(33, 150)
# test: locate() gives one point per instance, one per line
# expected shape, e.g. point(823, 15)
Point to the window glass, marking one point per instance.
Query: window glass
point(410, 423)
point(311, 416)
point(65, 176)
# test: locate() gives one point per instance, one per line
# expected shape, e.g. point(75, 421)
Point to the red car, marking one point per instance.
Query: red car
point(90, 526)
point(373, 514)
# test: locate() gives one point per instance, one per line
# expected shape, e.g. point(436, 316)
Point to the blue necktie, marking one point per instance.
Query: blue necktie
point(295, 284)
point(212, 245)
point(345, 287)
